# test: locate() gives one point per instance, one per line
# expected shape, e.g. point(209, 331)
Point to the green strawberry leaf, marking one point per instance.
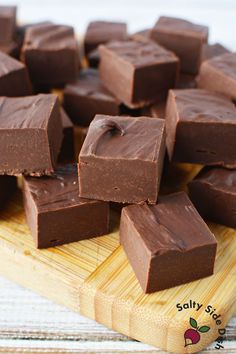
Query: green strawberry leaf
point(204, 329)
point(193, 322)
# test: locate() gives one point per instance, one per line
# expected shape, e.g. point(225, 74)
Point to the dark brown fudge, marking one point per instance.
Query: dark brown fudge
point(186, 81)
point(56, 214)
point(100, 32)
point(138, 72)
point(213, 192)
point(7, 23)
point(182, 37)
point(201, 127)
point(31, 134)
point(121, 159)
point(51, 54)
point(219, 75)
point(8, 185)
point(94, 58)
point(14, 78)
point(165, 243)
point(213, 50)
point(67, 152)
point(87, 97)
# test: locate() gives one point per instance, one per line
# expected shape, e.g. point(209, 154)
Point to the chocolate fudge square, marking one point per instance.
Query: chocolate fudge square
point(56, 214)
point(7, 23)
point(165, 243)
point(51, 54)
point(8, 186)
point(213, 192)
point(100, 32)
point(121, 159)
point(87, 97)
point(182, 37)
point(201, 128)
point(31, 134)
point(137, 71)
point(219, 75)
point(14, 78)
point(210, 51)
point(67, 152)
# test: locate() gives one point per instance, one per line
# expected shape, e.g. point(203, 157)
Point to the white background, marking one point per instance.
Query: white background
point(220, 15)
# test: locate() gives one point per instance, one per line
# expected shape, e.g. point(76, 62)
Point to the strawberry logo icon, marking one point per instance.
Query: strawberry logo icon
point(192, 335)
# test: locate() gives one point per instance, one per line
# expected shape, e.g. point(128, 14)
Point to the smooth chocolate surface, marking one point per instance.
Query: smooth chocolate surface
point(100, 32)
point(87, 97)
point(182, 37)
point(219, 75)
point(121, 159)
point(57, 215)
point(14, 78)
point(201, 127)
point(213, 50)
point(213, 192)
point(138, 72)
point(51, 54)
point(31, 134)
point(7, 23)
point(165, 242)
point(67, 152)
point(8, 185)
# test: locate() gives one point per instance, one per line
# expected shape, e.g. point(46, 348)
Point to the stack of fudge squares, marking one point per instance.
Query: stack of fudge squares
point(90, 125)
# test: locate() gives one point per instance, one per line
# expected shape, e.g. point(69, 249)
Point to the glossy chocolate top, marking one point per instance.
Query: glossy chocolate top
point(202, 106)
point(140, 52)
point(58, 191)
point(26, 112)
point(218, 178)
point(8, 64)
point(171, 225)
point(180, 26)
point(90, 85)
point(104, 31)
point(124, 137)
point(49, 37)
point(225, 63)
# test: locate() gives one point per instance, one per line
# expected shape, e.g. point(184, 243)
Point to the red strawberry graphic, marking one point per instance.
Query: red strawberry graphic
point(192, 336)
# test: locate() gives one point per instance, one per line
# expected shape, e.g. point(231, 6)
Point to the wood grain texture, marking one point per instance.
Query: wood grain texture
point(95, 278)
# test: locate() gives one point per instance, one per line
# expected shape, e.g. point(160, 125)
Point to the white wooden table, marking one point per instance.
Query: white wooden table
point(29, 323)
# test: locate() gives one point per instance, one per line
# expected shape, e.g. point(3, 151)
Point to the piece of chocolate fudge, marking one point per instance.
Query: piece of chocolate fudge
point(165, 243)
point(201, 127)
point(31, 134)
point(8, 185)
point(14, 78)
point(67, 152)
point(94, 58)
point(7, 23)
point(51, 54)
point(121, 159)
point(213, 192)
point(219, 75)
point(100, 32)
point(138, 72)
point(182, 37)
point(186, 81)
point(57, 215)
point(87, 97)
point(213, 50)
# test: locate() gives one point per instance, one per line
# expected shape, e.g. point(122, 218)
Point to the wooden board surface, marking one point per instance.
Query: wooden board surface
point(95, 278)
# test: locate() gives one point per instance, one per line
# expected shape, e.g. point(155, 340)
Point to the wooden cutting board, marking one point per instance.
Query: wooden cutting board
point(94, 278)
